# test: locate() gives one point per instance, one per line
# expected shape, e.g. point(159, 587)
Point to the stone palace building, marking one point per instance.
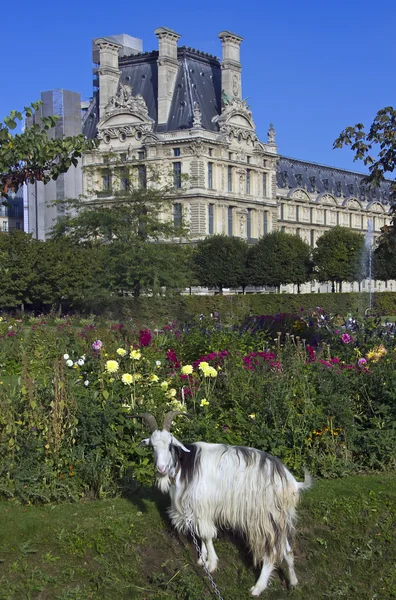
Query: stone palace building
point(180, 112)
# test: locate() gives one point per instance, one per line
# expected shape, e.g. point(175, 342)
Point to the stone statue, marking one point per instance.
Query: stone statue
point(271, 136)
point(197, 116)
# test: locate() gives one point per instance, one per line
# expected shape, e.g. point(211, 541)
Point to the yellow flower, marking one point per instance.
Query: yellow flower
point(252, 416)
point(203, 365)
point(127, 379)
point(176, 405)
point(154, 377)
point(137, 376)
point(204, 402)
point(121, 351)
point(164, 385)
point(111, 380)
point(187, 369)
point(209, 371)
point(171, 393)
point(136, 354)
point(112, 366)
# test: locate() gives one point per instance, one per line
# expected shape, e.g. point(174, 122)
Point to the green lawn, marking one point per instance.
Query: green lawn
point(125, 548)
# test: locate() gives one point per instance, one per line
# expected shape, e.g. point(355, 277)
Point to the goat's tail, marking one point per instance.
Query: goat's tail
point(307, 483)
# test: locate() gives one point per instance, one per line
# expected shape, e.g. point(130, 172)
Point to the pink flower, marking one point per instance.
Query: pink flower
point(97, 345)
point(362, 362)
point(346, 338)
point(144, 337)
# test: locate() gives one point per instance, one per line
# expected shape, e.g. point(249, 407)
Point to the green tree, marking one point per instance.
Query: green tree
point(279, 259)
point(338, 256)
point(32, 155)
point(380, 140)
point(220, 261)
point(384, 258)
point(135, 232)
point(67, 273)
point(18, 252)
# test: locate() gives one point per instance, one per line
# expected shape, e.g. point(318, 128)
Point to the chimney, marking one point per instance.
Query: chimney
point(231, 65)
point(109, 73)
point(167, 70)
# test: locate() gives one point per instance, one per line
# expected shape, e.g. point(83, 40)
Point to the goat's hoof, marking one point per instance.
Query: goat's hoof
point(293, 583)
point(200, 562)
point(212, 566)
point(255, 590)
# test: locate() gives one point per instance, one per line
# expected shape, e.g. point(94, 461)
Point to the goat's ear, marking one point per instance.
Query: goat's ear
point(145, 442)
point(176, 442)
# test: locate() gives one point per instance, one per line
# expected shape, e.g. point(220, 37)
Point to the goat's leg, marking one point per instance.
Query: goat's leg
point(212, 558)
point(204, 554)
point(262, 581)
point(289, 558)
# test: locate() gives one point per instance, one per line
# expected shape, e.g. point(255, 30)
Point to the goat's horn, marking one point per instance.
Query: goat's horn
point(170, 416)
point(150, 420)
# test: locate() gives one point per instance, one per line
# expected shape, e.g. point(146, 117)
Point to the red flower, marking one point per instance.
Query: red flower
point(144, 337)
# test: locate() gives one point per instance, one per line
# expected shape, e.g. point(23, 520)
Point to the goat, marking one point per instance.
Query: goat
point(236, 487)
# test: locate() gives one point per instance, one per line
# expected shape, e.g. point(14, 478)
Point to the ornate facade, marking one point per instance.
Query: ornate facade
point(180, 112)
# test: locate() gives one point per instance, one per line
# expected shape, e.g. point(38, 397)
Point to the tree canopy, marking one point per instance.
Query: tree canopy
point(338, 256)
point(135, 233)
point(33, 155)
point(278, 259)
point(220, 261)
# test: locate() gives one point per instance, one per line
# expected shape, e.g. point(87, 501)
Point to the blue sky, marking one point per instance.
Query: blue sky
point(310, 67)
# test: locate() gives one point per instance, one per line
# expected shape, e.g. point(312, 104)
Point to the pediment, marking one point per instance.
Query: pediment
point(120, 119)
point(299, 194)
point(353, 203)
point(376, 207)
point(326, 198)
point(235, 114)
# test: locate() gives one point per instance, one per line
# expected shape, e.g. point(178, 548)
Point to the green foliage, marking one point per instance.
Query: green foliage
point(380, 139)
point(34, 155)
point(18, 253)
point(133, 239)
point(220, 261)
point(65, 400)
point(279, 258)
point(338, 256)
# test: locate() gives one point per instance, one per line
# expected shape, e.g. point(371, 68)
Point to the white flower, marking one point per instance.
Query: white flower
point(80, 362)
point(69, 363)
point(86, 383)
point(158, 363)
point(66, 357)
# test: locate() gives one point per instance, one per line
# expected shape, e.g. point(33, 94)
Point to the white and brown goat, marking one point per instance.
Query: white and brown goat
point(235, 487)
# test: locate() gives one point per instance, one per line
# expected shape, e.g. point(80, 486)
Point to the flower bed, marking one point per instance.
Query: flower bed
point(313, 389)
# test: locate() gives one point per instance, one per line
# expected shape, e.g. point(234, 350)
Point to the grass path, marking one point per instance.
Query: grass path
point(125, 548)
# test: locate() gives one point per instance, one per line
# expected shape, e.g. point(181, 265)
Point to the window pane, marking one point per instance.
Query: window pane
point(210, 214)
point(142, 176)
point(230, 179)
point(177, 174)
point(177, 214)
point(249, 223)
point(210, 175)
point(230, 209)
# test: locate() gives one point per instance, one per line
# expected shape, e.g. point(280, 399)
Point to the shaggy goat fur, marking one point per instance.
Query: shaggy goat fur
point(236, 488)
point(218, 486)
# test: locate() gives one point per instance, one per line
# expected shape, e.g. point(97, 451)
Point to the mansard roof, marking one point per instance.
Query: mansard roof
point(198, 80)
point(317, 179)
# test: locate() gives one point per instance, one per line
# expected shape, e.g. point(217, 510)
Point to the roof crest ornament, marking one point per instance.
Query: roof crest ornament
point(271, 136)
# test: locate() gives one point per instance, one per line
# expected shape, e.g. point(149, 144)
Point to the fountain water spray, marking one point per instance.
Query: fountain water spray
point(368, 258)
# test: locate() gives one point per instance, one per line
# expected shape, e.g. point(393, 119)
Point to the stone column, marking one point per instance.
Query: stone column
point(231, 68)
point(167, 70)
point(109, 73)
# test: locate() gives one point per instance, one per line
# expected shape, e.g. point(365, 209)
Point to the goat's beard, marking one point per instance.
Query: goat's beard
point(163, 483)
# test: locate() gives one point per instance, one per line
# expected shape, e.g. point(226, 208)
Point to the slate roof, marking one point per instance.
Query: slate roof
point(198, 80)
point(316, 178)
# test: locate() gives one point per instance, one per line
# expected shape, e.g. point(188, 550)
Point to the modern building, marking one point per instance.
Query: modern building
point(11, 212)
point(41, 210)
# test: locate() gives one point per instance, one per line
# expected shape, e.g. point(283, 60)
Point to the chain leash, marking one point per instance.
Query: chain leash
point(198, 549)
